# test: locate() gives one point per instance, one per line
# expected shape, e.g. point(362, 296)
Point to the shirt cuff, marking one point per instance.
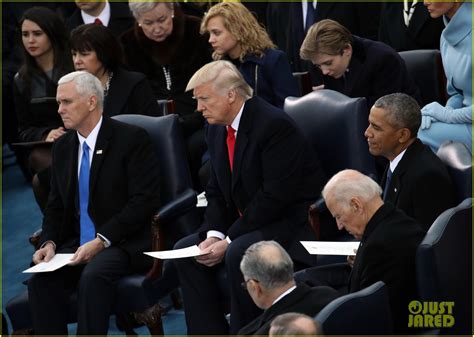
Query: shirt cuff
point(106, 241)
point(215, 234)
point(228, 240)
point(46, 242)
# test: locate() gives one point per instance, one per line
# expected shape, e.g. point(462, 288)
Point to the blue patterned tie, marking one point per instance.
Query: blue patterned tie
point(387, 183)
point(87, 226)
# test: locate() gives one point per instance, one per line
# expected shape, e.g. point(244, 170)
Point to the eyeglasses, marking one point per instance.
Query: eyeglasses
point(244, 284)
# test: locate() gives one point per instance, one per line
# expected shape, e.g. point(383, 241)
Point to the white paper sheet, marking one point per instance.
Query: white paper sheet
point(58, 261)
point(201, 200)
point(330, 247)
point(178, 253)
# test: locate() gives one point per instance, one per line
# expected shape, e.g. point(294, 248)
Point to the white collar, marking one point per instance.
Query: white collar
point(236, 122)
point(396, 160)
point(284, 294)
point(104, 16)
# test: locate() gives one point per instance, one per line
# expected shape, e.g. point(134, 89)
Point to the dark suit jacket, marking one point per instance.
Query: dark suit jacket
point(130, 93)
point(124, 189)
point(275, 176)
point(422, 32)
point(421, 185)
point(121, 18)
point(387, 253)
point(361, 19)
point(375, 70)
point(303, 299)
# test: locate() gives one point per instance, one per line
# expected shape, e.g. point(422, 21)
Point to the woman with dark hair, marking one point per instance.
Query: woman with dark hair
point(96, 50)
point(47, 58)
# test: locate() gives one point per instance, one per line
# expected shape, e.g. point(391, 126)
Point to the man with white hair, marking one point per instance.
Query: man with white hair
point(104, 191)
point(388, 241)
point(264, 175)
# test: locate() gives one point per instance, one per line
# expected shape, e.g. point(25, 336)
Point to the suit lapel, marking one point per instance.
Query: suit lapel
point(397, 177)
point(242, 140)
point(99, 154)
point(417, 20)
point(322, 10)
point(222, 170)
point(71, 160)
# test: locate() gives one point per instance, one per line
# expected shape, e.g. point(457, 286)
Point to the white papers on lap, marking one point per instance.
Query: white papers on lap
point(58, 261)
point(178, 253)
point(330, 247)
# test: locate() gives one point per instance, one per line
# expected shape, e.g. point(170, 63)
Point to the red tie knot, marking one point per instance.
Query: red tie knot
point(98, 22)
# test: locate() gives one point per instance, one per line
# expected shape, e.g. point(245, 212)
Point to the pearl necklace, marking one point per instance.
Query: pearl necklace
point(107, 84)
point(167, 73)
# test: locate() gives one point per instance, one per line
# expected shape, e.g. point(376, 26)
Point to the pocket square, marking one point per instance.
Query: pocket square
point(98, 152)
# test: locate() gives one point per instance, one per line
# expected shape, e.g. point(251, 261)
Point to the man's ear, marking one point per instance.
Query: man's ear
point(404, 135)
point(231, 95)
point(355, 204)
point(92, 103)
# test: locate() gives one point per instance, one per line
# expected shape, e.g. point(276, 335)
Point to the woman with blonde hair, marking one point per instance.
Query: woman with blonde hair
point(236, 35)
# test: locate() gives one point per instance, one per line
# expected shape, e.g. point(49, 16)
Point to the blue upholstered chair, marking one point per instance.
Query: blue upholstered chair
point(426, 69)
point(458, 159)
point(334, 124)
point(138, 295)
point(365, 312)
point(444, 264)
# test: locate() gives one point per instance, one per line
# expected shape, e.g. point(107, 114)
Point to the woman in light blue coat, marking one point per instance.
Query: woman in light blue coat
point(453, 121)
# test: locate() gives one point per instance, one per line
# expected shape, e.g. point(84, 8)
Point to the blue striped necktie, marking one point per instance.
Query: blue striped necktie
point(387, 183)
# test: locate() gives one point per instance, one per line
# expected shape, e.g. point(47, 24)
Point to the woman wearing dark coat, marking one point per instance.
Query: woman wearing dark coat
point(96, 50)
point(236, 35)
point(166, 46)
point(355, 66)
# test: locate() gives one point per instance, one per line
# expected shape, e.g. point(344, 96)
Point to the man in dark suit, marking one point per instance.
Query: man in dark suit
point(101, 214)
point(409, 29)
point(388, 242)
point(419, 183)
point(264, 175)
point(293, 323)
point(268, 277)
point(114, 15)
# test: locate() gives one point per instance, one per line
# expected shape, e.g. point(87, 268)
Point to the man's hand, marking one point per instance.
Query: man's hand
point(351, 258)
point(87, 251)
point(55, 134)
point(216, 247)
point(44, 254)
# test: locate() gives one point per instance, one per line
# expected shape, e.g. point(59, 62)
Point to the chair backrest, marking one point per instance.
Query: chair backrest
point(167, 139)
point(335, 125)
point(458, 159)
point(304, 82)
point(364, 312)
point(426, 68)
point(444, 262)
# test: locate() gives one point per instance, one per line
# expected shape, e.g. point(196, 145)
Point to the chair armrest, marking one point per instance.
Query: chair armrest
point(182, 204)
point(177, 207)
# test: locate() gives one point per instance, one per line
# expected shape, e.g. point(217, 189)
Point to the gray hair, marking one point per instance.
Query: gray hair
point(402, 111)
point(138, 7)
point(289, 324)
point(86, 85)
point(268, 263)
point(224, 76)
point(347, 184)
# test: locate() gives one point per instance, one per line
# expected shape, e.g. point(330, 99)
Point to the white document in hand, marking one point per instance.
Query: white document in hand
point(330, 247)
point(178, 253)
point(58, 261)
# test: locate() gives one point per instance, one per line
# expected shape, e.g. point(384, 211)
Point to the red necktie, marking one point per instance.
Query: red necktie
point(230, 145)
point(98, 22)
